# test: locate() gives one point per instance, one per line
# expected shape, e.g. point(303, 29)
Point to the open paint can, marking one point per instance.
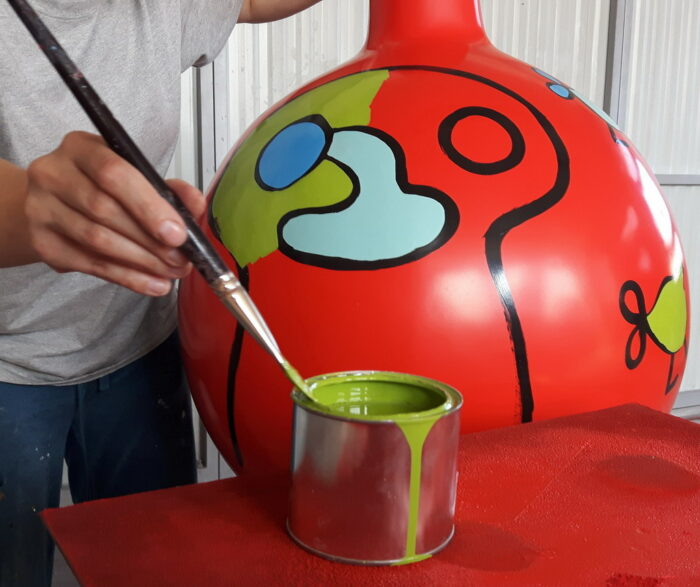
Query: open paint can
point(374, 467)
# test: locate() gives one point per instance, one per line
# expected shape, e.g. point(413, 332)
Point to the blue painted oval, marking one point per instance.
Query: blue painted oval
point(290, 154)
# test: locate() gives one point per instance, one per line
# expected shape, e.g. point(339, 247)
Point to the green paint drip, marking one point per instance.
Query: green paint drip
point(413, 403)
point(415, 433)
point(297, 379)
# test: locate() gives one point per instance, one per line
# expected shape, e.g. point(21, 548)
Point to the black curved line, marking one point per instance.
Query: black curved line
point(630, 316)
point(317, 119)
point(214, 224)
point(640, 319)
point(517, 151)
point(502, 225)
point(615, 137)
point(343, 264)
point(637, 319)
point(671, 383)
point(632, 362)
point(233, 363)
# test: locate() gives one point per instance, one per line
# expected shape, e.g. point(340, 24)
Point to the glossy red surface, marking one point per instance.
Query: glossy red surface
point(536, 300)
point(608, 498)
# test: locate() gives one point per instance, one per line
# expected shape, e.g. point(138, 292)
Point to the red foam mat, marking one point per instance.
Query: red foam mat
point(605, 498)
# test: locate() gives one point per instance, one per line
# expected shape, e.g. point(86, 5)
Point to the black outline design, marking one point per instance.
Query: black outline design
point(493, 237)
point(671, 383)
point(233, 363)
point(316, 119)
point(344, 264)
point(569, 96)
point(517, 151)
point(640, 321)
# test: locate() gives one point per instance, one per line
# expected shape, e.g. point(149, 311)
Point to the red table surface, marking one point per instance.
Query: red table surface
point(605, 498)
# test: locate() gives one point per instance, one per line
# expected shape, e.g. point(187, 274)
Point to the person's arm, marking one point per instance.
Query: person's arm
point(268, 10)
point(15, 247)
point(84, 208)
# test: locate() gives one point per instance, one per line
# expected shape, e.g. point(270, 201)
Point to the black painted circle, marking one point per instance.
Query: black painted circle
point(517, 151)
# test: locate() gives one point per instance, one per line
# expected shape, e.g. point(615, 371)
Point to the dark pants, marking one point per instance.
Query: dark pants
point(126, 432)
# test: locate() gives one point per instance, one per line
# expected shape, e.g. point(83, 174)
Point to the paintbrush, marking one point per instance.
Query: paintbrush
point(197, 248)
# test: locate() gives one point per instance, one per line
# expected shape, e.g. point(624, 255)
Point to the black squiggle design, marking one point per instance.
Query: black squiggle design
point(639, 319)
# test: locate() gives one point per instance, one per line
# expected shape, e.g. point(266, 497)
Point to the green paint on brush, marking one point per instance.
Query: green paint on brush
point(298, 381)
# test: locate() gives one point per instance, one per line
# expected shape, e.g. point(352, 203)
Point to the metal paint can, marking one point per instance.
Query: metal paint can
point(374, 467)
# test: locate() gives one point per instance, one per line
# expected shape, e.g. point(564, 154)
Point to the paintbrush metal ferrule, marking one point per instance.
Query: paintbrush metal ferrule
point(234, 296)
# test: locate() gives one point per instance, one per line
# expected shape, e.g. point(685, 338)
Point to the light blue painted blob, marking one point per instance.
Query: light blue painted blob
point(382, 223)
point(290, 154)
point(560, 90)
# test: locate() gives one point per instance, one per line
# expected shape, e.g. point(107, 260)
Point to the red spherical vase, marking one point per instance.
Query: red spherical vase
point(437, 207)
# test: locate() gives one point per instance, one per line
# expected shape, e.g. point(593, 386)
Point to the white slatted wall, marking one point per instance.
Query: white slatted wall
point(565, 38)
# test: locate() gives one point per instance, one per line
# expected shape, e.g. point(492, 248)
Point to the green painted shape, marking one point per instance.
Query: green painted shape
point(246, 215)
point(668, 318)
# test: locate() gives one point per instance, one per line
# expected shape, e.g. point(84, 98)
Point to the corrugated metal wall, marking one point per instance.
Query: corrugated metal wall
point(663, 112)
point(663, 120)
point(567, 38)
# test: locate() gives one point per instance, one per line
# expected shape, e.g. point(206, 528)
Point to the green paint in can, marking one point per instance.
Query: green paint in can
point(412, 403)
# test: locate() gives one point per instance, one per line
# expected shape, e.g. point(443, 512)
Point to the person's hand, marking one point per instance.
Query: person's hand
point(89, 210)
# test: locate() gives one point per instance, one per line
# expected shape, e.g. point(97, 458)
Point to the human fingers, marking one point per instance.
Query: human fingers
point(96, 240)
point(57, 249)
point(114, 176)
point(55, 178)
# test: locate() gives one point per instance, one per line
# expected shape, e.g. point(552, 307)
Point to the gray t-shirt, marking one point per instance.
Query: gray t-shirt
point(60, 329)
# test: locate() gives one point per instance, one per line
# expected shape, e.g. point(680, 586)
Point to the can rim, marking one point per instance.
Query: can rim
point(452, 402)
point(369, 562)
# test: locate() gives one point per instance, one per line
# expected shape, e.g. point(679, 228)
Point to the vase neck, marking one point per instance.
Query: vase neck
point(402, 21)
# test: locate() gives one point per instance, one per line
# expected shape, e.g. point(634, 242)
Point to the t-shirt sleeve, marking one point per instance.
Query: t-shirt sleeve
point(206, 26)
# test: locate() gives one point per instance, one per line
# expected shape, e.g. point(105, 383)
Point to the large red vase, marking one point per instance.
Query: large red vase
point(437, 207)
